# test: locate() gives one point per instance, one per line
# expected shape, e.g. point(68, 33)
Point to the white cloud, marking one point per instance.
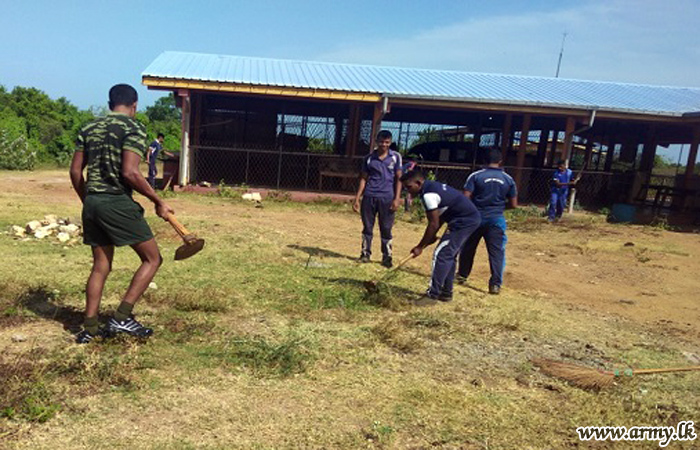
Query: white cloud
point(641, 41)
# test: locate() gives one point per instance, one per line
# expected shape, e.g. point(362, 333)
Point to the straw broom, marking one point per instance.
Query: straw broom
point(589, 378)
point(373, 285)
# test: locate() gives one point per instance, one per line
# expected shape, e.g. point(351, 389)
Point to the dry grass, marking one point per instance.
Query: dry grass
point(271, 341)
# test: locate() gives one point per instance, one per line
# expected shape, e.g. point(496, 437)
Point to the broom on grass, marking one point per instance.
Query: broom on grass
point(373, 285)
point(588, 378)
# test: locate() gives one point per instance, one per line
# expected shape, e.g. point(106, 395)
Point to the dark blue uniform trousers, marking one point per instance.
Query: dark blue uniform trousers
point(494, 233)
point(445, 260)
point(369, 209)
point(152, 172)
point(557, 203)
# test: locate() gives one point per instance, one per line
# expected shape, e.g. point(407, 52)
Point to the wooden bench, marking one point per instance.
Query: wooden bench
point(334, 174)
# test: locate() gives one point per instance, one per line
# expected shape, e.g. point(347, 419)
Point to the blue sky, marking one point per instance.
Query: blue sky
point(78, 49)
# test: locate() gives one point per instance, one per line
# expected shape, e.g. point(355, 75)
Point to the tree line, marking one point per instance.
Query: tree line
point(37, 130)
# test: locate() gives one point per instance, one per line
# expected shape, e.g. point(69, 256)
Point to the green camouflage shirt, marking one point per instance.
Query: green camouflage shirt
point(103, 140)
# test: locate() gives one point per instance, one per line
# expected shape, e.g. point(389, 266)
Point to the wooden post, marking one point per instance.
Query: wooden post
point(524, 132)
point(646, 165)
point(589, 154)
point(184, 94)
point(568, 139)
point(506, 136)
point(692, 157)
point(609, 154)
point(353, 130)
point(476, 142)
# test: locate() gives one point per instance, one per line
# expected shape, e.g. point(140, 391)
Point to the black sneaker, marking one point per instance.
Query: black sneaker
point(363, 259)
point(387, 262)
point(129, 326)
point(85, 336)
point(459, 279)
point(445, 297)
point(494, 289)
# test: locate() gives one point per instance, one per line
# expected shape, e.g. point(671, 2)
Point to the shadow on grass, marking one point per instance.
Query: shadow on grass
point(40, 301)
point(319, 252)
point(474, 288)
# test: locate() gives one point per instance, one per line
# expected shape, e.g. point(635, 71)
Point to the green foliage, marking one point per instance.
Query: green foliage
point(431, 134)
point(164, 117)
point(318, 145)
point(48, 128)
point(43, 130)
point(15, 154)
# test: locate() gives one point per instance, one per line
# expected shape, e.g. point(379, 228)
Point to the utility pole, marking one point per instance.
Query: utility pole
point(561, 53)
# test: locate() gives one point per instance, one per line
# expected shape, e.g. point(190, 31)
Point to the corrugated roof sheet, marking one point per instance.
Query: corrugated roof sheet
point(428, 84)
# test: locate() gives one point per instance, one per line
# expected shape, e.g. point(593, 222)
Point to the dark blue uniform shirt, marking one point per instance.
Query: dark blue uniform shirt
point(381, 174)
point(154, 149)
point(491, 188)
point(454, 208)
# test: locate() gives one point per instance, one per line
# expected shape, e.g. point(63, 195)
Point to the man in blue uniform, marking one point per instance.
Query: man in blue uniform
point(443, 204)
point(152, 157)
point(560, 191)
point(379, 194)
point(492, 191)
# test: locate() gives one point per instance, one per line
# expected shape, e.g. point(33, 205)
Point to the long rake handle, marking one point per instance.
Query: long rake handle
point(670, 369)
point(179, 228)
point(395, 268)
point(401, 263)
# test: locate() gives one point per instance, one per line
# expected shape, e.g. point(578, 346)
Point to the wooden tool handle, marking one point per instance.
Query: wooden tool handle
point(402, 262)
point(670, 369)
point(180, 228)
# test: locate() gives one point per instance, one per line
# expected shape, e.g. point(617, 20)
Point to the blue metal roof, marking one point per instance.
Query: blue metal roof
point(428, 84)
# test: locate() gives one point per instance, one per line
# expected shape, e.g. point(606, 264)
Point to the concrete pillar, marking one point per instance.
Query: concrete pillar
point(542, 148)
point(185, 156)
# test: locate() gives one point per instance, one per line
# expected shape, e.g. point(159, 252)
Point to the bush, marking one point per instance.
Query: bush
point(15, 154)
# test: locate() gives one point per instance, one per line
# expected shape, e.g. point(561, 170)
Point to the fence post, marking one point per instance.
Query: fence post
point(247, 164)
point(279, 169)
point(308, 163)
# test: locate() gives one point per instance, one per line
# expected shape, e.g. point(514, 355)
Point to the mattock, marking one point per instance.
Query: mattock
point(192, 244)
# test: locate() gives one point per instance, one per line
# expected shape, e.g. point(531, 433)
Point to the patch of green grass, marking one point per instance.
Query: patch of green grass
point(264, 357)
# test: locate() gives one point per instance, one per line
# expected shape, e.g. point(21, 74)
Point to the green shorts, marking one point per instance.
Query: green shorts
point(113, 219)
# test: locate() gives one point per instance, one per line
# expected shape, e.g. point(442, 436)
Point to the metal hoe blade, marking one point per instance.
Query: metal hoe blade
point(192, 247)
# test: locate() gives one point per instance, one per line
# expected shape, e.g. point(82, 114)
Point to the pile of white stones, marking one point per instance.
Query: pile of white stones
point(53, 227)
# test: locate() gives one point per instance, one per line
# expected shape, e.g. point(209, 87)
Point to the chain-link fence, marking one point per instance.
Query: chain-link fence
point(594, 189)
point(336, 173)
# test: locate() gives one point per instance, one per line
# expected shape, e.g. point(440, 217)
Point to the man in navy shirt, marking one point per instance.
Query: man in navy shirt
point(380, 194)
point(492, 191)
point(561, 181)
point(152, 156)
point(443, 204)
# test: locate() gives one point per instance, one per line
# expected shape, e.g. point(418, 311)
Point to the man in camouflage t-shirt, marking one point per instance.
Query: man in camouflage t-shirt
point(111, 148)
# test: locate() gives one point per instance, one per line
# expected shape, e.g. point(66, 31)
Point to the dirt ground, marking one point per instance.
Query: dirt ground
point(637, 285)
point(645, 274)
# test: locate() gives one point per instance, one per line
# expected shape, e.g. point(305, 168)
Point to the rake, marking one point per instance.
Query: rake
point(589, 378)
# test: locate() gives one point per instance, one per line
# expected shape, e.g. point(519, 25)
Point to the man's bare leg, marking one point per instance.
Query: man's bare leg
point(101, 267)
point(150, 262)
